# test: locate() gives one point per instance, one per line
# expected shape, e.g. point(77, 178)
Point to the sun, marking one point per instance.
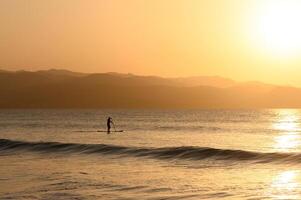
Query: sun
point(277, 27)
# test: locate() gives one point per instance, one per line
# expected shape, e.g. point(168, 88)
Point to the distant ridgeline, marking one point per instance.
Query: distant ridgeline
point(65, 89)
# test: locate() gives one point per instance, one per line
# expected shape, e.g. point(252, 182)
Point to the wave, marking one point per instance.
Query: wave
point(183, 152)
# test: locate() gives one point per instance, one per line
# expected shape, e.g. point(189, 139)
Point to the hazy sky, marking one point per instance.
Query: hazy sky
point(239, 39)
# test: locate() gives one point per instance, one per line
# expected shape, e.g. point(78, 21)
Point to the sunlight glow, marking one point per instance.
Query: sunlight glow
point(287, 125)
point(286, 142)
point(284, 185)
point(287, 121)
point(278, 27)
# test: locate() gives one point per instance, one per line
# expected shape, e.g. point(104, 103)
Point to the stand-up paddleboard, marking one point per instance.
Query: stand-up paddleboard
point(116, 131)
point(101, 131)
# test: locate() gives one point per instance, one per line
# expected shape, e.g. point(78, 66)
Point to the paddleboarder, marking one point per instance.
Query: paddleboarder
point(109, 122)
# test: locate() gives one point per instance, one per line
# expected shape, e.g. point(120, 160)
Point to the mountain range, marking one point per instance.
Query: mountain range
point(66, 89)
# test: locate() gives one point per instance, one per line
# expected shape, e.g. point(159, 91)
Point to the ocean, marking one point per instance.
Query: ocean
point(161, 154)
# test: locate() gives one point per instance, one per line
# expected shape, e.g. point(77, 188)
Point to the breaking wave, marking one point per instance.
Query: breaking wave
point(183, 152)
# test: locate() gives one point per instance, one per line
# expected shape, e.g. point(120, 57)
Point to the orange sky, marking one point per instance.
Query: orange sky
point(243, 40)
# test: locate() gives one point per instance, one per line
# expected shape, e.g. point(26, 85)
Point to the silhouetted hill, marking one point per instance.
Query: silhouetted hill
point(65, 89)
point(214, 81)
point(60, 72)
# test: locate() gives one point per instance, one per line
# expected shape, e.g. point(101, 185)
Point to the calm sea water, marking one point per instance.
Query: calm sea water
point(162, 154)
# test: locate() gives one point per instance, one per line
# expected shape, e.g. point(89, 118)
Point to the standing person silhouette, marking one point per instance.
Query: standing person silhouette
point(109, 122)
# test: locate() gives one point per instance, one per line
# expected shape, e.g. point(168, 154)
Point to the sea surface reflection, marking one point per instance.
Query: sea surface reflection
point(288, 130)
point(286, 185)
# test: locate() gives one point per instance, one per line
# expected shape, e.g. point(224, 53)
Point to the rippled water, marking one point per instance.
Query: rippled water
point(162, 154)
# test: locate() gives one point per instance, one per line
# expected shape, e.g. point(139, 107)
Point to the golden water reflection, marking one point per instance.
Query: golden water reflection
point(286, 185)
point(287, 128)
